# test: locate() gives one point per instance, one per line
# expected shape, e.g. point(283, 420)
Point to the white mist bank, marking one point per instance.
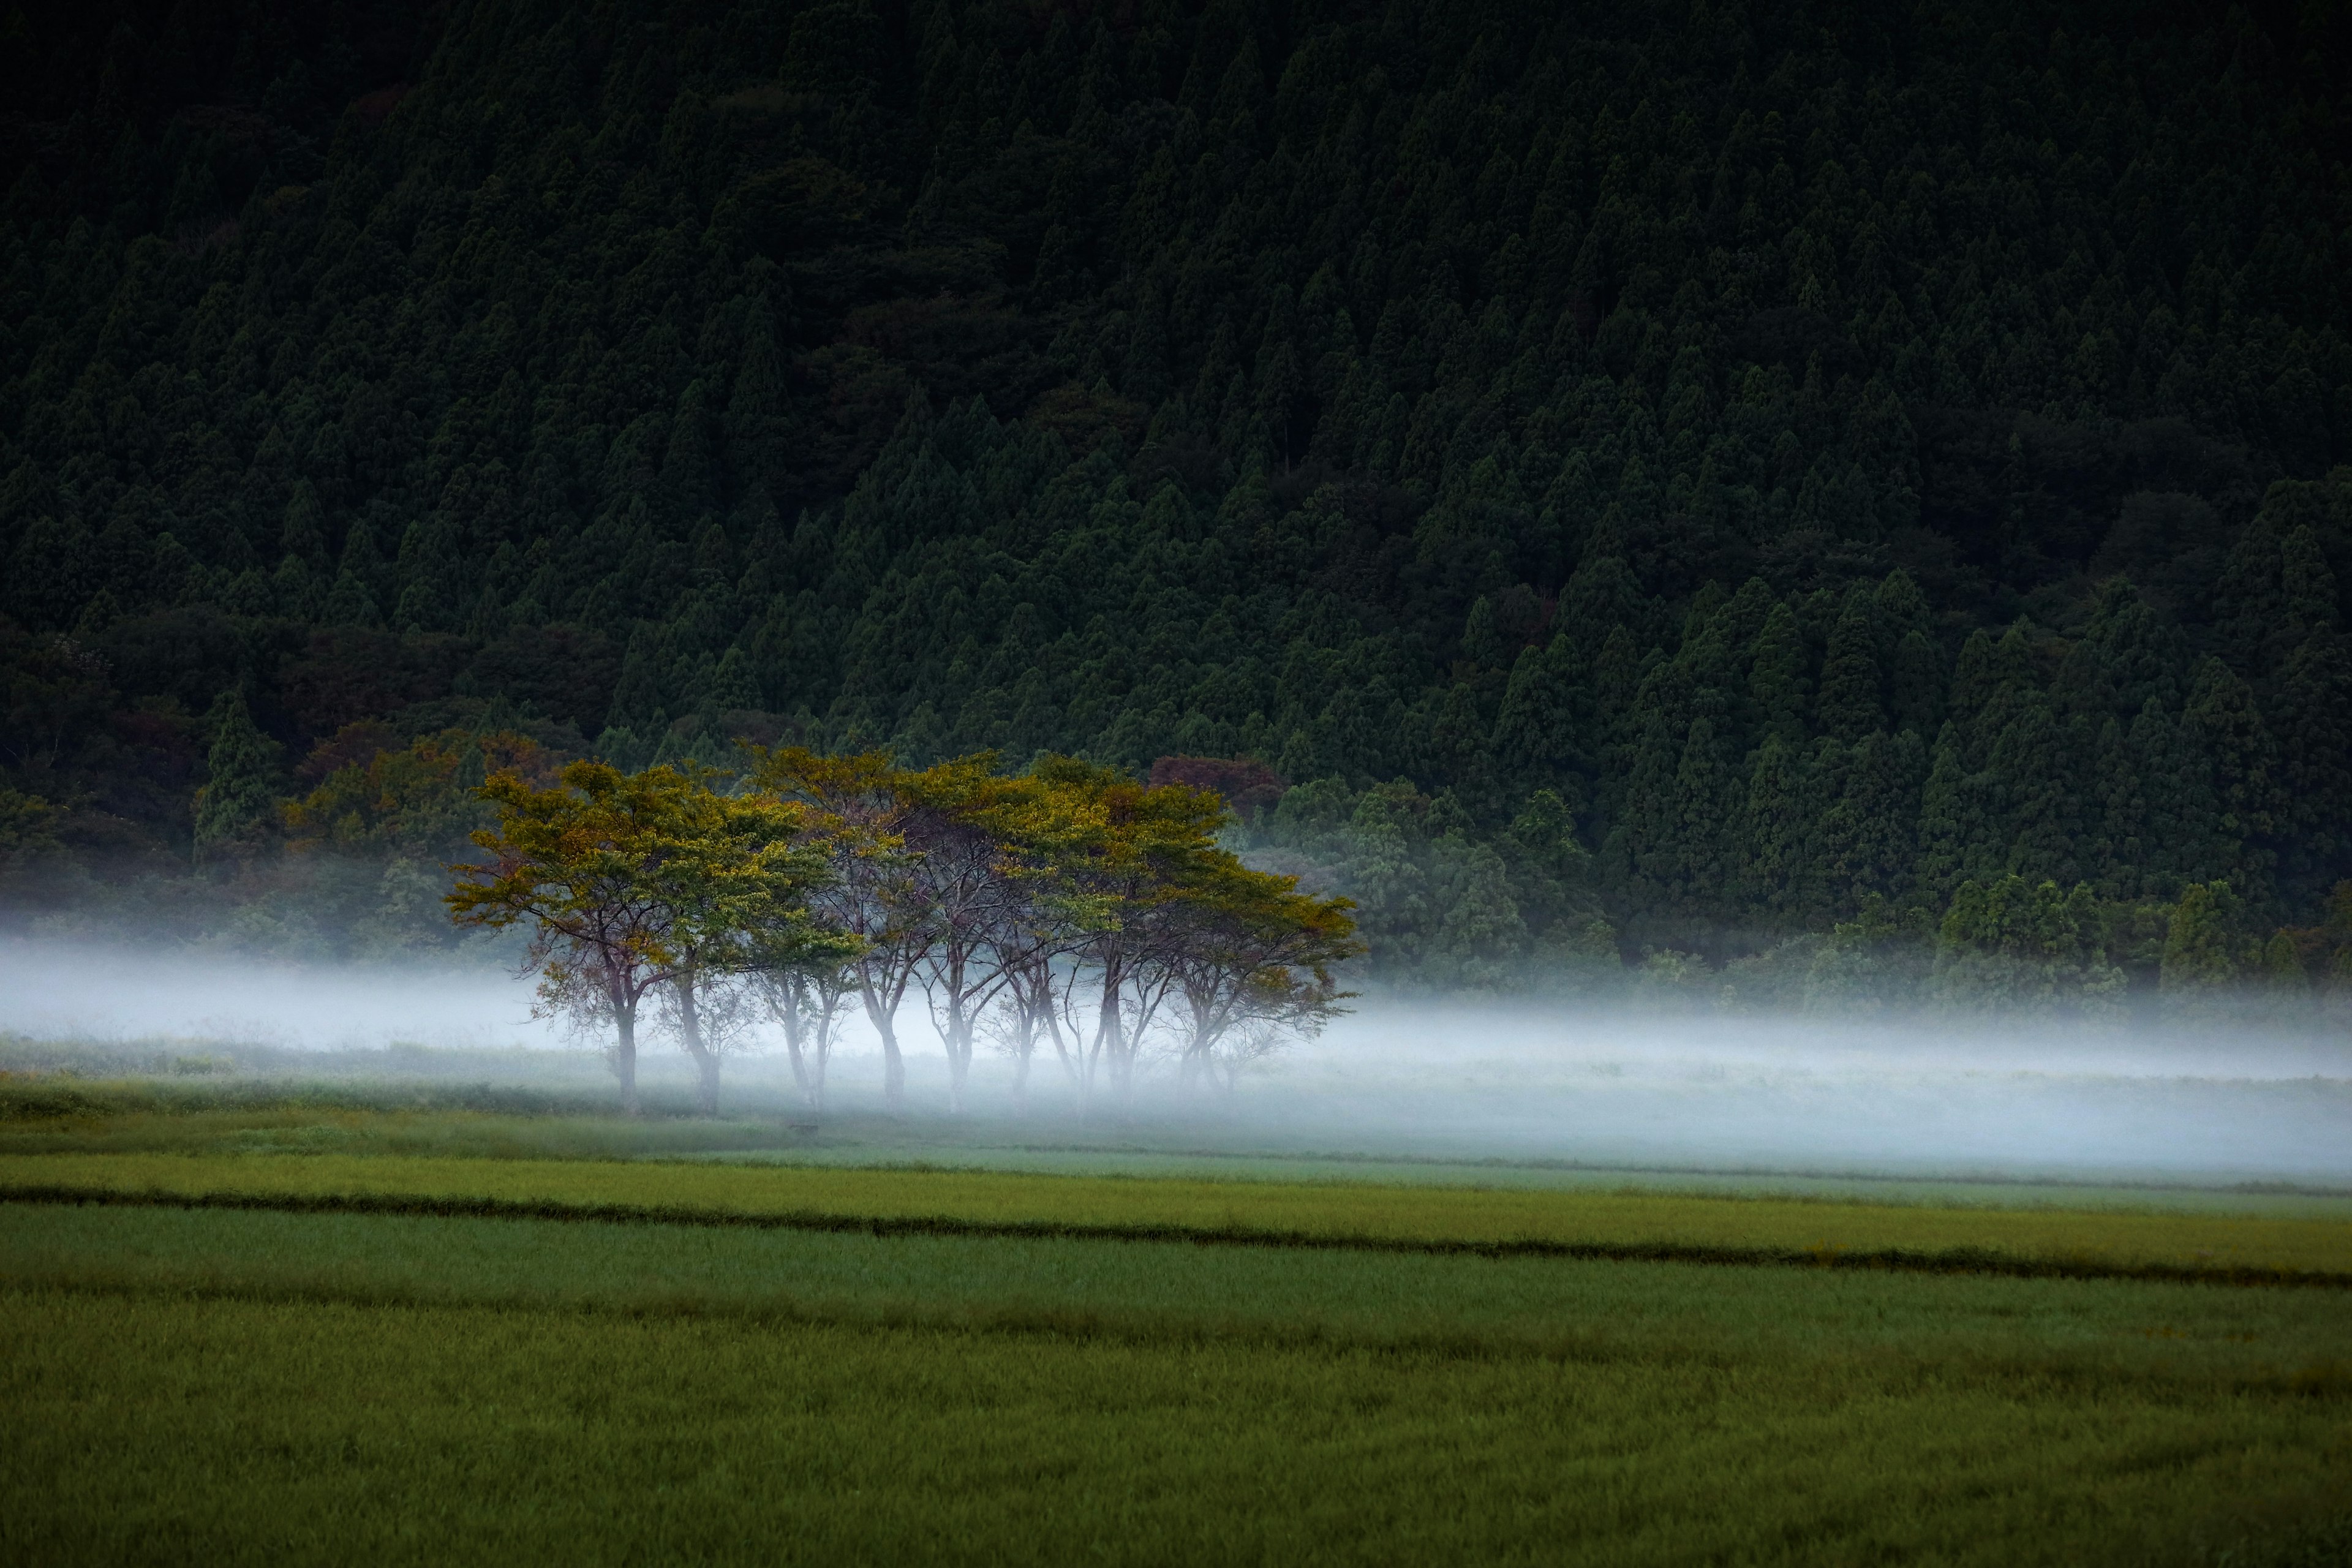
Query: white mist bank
point(1452, 1081)
point(1923, 1097)
point(55, 991)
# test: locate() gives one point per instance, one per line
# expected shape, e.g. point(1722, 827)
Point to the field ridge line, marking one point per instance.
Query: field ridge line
point(1951, 1260)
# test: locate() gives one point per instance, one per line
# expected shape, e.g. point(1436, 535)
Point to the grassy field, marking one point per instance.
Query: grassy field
point(2269, 1339)
point(170, 1429)
point(431, 1342)
point(1628, 1224)
point(57, 1114)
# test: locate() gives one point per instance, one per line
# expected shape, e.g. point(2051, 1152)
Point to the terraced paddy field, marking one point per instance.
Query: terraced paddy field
point(409, 1349)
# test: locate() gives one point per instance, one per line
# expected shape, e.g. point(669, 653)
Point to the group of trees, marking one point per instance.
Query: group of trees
point(1068, 905)
point(1750, 472)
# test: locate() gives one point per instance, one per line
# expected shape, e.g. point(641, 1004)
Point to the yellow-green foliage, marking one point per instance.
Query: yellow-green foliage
point(1665, 1224)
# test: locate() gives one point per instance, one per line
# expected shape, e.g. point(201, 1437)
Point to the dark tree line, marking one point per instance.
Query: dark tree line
point(1668, 478)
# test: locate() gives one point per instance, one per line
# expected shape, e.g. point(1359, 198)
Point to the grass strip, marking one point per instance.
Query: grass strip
point(2100, 1332)
point(1646, 1227)
point(1955, 1260)
point(300, 1124)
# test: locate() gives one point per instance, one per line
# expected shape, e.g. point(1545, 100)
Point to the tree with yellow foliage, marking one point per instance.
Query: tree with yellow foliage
point(631, 881)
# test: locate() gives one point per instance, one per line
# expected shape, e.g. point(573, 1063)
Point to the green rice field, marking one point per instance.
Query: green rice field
point(442, 1335)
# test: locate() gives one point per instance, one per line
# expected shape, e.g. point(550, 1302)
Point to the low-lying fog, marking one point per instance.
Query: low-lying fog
point(1470, 1079)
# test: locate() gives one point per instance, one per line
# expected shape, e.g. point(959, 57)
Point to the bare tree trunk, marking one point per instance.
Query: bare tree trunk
point(707, 1091)
point(957, 1038)
point(825, 1020)
point(794, 1022)
point(1109, 1042)
point(886, 1024)
point(1024, 1041)
point(1062, 1051)
point(624, 1055)
point(1201, 1041)
point(959, 1067)
point(706, 1060)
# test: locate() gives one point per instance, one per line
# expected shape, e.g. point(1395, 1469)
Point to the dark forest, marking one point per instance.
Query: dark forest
point(1810, 504)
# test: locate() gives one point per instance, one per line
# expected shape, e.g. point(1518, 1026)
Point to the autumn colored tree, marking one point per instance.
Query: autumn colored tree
point(858, 810)
point(1251, 958)
point(731, 881)
point(958, 817)
point(631, 881)
point(568, 862)
point(1044, 920)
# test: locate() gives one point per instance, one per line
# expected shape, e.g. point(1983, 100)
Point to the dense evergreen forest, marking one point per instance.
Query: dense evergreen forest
point(1793, 502)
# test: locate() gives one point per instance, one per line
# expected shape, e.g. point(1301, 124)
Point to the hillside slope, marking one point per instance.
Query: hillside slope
point(1839, 453)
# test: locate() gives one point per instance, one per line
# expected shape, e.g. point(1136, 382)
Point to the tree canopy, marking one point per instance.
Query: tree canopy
point(1069, 897)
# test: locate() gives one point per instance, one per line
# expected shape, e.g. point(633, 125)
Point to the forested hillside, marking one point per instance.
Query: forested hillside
point(1808, 499)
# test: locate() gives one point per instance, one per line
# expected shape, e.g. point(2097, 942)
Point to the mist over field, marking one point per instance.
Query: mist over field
point(1920, 1097)
point(57, 991)
point(1466, 1080)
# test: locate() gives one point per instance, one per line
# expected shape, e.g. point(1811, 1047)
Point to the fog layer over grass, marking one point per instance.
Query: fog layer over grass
point(1475, 1080)
point(57, 991)
point(1922, 1095)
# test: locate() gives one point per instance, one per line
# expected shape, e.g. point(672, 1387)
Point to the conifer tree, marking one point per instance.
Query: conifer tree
point(1916, 684)
point(1773, 830)
point(2227, 727)
point(1696, 856)
point(2185, 834)
point(1601, 599)
point(2314, 726)
point(1542, 730)
point(1777, 683)
point(1482, 636)
point(1954, 825)
point(1850, 706)
point(302, 534)
point(2126, 656)
point(2202, 947)
point(1616, 690)
point(1864, 842)
point(242, 779)
point(2307, 586)
point(731, 686)
point(637, 698)
point(348, 604)
point(1975, 681)
point(2003, 685)
point(2037, 768)
point(2249, 608)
